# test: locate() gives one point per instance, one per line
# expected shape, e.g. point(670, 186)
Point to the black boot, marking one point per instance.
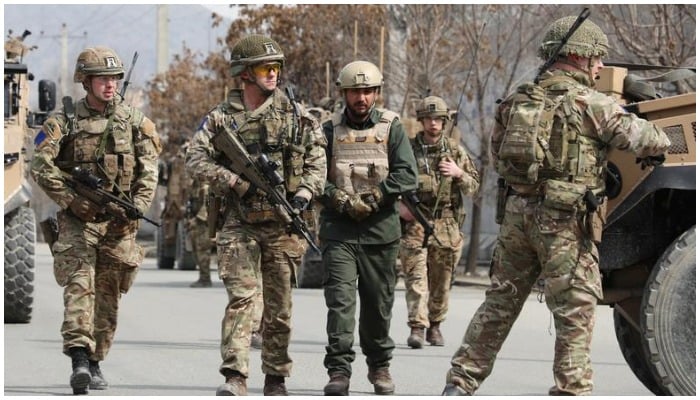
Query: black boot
point(98, 381)
point(80, 378)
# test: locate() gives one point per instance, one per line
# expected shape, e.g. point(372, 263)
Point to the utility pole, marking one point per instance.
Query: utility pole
point(162, 39)
point(65, 77)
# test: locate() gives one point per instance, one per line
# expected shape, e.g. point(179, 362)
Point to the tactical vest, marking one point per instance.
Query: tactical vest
point(360, 157)
point(544, 137)
point(433, 188)
point(84, 138)
point(273, 130)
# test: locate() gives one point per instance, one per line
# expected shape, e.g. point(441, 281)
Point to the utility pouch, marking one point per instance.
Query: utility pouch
point(564, 196)
point(501, 198)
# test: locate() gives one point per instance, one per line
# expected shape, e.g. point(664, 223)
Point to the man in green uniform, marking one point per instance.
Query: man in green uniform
point(96, 256)
point(553, 205)
point(254, 242)
point(445, 173)
point(370, 163)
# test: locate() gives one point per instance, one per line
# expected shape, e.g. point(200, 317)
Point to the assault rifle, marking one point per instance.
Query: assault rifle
point(410, 200)
point(90, 187)
point(263, 174)
point(555, 54)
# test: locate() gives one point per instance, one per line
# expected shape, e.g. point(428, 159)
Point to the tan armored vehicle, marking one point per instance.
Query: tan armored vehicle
point(647, 255)
point(20, 220)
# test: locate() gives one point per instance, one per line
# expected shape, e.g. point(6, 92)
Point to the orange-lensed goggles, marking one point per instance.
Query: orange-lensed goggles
point(263, 70)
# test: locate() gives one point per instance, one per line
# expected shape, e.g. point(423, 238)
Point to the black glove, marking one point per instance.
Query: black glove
point(651, 161)
point(299, 204)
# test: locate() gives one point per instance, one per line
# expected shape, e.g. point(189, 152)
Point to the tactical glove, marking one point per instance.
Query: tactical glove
point(357, 208)
point(339, 198)
point(299, 204)
point(373, 198)
point(122, 227)
point(83, 209)
point(651, 161)
point(117, 212)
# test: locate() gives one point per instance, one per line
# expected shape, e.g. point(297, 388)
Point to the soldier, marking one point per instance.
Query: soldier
point(445, 173)
point(370, 165)
point(254, 243)
point(552, 203)
point(96, 256)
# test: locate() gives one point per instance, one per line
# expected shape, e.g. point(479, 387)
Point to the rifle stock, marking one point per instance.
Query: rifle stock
point(90, 187)
point(260, 173)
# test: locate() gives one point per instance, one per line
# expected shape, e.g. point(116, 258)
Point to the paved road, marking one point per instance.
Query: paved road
point(167, 344)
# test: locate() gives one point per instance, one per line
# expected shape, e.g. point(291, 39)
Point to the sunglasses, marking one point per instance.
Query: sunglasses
point(263, 70)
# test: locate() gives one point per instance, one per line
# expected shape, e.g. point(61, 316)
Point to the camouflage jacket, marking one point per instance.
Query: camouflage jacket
point(431, 189)
point(205, 162)
point(129, 161)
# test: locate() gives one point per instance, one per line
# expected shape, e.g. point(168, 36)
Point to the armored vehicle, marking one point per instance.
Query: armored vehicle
point(20, 220)
point(647, 254)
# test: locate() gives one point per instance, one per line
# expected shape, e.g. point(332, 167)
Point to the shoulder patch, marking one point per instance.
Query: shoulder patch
point(148, 128)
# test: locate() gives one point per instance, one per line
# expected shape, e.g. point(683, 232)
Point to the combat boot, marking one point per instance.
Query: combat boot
point(80, 378)
point(201, 283)
point(98, 381)
point(452, 389)
point(381, 379)
point(274, 386)
point(415, 339)
point(256, 340)
point(235, 385)
point(434, 336)
point(338, 385)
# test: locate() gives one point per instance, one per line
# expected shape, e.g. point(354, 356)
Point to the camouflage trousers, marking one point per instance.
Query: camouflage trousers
point(428, 271)
point(198, 231)
point(249, 254)
point(95, 269)
point(535, 240)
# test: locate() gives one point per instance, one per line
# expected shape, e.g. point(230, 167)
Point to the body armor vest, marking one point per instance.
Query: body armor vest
point(272, 130)
point(550, 144)
point(428, 156)
point(85, 134)
point(360, 157)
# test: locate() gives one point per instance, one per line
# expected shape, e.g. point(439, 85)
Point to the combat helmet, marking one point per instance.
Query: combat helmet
point(359, 74)
point(587, 41)
point(97, 61)
point(254, 49)
point(433, 107)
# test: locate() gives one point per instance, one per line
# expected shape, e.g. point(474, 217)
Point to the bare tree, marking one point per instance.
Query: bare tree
point(656, 34)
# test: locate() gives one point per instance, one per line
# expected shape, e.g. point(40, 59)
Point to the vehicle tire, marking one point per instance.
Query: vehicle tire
point(630, 341)
point(668, 317)
point(310, 273)
point(185, 257)
point(165, 253)
point(20, 242)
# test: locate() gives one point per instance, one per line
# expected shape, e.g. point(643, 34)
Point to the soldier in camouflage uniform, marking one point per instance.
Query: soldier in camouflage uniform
point(96, 256)
point(254, 243)
point(370, 163)
point(553, 213)
point(445, 173)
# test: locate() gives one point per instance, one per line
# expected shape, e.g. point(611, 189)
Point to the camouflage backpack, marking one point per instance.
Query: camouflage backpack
point(525, 149)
